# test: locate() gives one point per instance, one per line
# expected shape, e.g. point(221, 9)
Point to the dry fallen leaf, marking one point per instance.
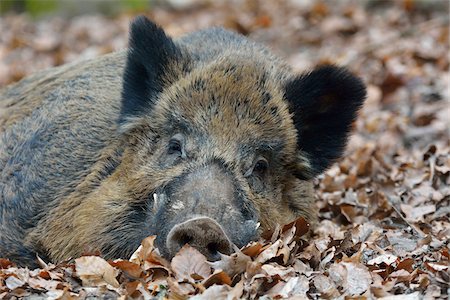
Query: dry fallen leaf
point(218, 277)
point(189, 261)
point(353, 277)
point(325, 286)
point(234, 264)
point(129, 268)
point(387, 259)
point(13, 282)
point(95, 271)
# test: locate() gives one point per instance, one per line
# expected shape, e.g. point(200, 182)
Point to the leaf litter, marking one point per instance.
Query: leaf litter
point(383, 229)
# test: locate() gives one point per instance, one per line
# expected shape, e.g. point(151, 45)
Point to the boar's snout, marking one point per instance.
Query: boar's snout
point(204, 234)
point(206, 208)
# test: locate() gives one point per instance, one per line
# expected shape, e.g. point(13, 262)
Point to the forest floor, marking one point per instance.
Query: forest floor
point(384, 225)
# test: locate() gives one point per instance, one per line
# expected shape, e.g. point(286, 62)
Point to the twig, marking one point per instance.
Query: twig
point(397, 210)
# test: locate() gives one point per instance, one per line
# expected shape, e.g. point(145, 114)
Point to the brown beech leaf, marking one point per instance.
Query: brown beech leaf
point(4, 263)
point(406, 264)
point(353, 277)
point(301, 227)
point(129, 268)
point(325, 286)
point(131, 287)
point(40, 283)
point(218, 277)
point(12, 282)
point(144, 251)
point(273, 269)
point(148, 257)
point(437, 266)
point(233, 264)
point(179, 290)
point(272, 234)
point(269, 252)
point(252, 249)
point(95, 271)
point(189, 261)
point(386, 258)
point(214, 292)
point(293, 287)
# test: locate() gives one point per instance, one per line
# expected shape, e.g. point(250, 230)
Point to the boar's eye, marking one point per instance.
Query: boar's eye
point(175, 146)
point(259, 168)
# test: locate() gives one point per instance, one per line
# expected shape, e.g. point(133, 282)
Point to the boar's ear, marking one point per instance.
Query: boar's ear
point(324, 104)
point(151, 61)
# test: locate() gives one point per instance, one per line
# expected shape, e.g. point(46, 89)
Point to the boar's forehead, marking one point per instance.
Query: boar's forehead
point(231, 103)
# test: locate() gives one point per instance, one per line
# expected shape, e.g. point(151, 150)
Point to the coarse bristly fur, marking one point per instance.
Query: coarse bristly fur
point(99, 154)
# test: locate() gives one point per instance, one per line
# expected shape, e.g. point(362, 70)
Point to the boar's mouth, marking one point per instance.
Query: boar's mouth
point(206, 209)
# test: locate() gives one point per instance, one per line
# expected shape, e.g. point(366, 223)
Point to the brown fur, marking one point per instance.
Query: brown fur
point(96, 167)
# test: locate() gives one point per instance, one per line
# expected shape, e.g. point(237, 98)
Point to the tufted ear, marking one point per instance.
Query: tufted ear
point(151, 62)
point(324, 104)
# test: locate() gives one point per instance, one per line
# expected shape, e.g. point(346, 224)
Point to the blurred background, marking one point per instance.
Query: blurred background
point(400, 48)
point(367, 35)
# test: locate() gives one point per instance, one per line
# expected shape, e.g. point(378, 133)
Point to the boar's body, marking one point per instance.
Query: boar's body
point(53, 128)
point(91, 159)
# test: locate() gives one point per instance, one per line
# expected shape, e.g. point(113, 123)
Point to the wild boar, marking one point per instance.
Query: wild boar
point(197, 140)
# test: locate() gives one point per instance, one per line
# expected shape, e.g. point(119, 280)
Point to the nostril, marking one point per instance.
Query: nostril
point(213, 248)
point(214, 251)
point(185, 239)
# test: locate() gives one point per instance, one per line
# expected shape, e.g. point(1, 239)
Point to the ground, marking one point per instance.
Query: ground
point(384, 208)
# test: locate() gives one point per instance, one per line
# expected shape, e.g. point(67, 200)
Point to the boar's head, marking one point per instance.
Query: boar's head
point(224, 144)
